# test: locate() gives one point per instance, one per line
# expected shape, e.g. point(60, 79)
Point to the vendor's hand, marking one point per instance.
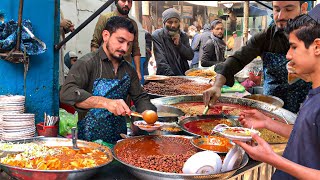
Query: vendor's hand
point(118, 107)
point(260, 152)
point(253, 118)
point(211, 95)
point(176, 39)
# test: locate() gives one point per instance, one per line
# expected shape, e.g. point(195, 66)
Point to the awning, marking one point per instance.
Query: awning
point(204, 3)
point(253, 12)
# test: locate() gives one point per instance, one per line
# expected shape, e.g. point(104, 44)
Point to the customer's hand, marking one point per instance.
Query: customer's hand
point(117, 107)
point(261, 152)
point(211, 95)
point(176, 39)
point(253, 118)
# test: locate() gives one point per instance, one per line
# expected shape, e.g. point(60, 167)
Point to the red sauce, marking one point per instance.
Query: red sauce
point(205, 126)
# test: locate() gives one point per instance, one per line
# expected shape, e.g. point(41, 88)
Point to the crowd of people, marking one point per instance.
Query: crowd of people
point(98, 85)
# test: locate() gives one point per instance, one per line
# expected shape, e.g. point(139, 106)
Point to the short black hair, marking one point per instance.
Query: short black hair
point(305, 28)
point(117, 22)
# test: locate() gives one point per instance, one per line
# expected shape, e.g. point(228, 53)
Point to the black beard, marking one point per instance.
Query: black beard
point(121, 11)
point(113, 56)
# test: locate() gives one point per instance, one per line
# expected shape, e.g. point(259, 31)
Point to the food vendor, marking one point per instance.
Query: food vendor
point(97, 86)
point(272, 45)
point(301, 158)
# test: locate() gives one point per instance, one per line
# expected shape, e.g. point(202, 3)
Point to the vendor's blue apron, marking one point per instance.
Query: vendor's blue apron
point(100, 123)
point(276, 82)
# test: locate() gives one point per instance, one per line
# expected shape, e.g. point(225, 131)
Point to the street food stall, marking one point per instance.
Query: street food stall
point(148, 156)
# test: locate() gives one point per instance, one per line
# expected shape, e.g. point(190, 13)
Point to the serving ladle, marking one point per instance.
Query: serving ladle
point(149, 116)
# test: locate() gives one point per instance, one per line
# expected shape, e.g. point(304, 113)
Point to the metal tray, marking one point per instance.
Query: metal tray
point(142, 173)
point(34, 174)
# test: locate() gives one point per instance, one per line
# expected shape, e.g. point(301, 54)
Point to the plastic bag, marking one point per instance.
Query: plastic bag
point(67, 121)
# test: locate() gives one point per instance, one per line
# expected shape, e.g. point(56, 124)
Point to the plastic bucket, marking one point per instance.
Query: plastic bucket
point(47, 131)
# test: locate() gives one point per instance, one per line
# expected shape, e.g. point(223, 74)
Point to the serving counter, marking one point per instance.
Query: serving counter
point(115, 170)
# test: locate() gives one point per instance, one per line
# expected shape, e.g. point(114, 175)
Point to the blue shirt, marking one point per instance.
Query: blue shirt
point(195, 59)
point(304, 144)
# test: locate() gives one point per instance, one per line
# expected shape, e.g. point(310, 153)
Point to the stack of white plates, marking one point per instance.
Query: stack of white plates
point(13, 104)
point(18, 126)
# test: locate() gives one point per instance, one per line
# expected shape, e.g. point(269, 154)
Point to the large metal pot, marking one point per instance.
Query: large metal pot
point(284, 114)
point(33, 174)
point(142, 173)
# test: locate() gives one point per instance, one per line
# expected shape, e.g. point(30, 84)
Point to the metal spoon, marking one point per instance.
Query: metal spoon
point(74, 138)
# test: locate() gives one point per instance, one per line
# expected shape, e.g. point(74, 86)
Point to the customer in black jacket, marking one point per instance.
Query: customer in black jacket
point(215, 47)
point(171, 46)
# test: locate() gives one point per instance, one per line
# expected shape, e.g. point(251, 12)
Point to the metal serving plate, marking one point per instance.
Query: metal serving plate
point(194, 78)
point(34, 174)
point(142, 173)
point(284, 114)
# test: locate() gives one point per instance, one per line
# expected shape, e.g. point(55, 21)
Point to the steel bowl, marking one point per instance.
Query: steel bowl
point(34, 174)
point(267, 99)
point(142, 173)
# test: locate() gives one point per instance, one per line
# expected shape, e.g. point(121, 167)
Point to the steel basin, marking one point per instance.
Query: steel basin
point(142, 173)
point(33, 174)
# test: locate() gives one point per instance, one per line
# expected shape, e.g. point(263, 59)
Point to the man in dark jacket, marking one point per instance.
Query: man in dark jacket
point(171, 46)
point(272, 45)
point(215, 47)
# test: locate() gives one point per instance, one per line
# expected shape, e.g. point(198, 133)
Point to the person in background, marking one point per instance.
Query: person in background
point(272, 46)
point(148, 38)
point(301, 158)
point(249, 34)
point(230, 42)
point(215, 47)
point(66, 26)
point(70, 58)
point(123, 9)
point(171, 46)
point(98, 87)
point(192, 31)
point(194, 45)
point(205, 36)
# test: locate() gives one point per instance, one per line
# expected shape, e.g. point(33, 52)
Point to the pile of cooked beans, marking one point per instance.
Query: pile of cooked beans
point(164, 163)
point(176, 86)
point(165, 154)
